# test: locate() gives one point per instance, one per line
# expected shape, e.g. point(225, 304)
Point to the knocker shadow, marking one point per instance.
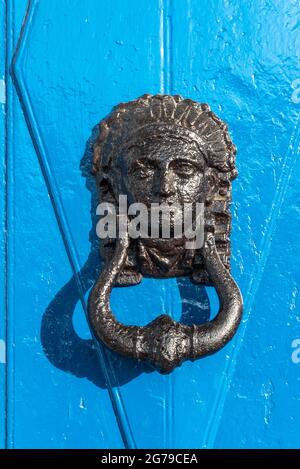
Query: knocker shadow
point(64, 348)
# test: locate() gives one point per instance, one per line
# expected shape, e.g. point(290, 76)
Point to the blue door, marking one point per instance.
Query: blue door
point(66, 63)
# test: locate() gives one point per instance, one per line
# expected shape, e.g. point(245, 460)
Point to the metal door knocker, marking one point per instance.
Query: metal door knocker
point(162, 149)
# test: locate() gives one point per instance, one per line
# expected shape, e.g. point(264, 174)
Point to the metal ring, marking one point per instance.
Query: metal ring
point(164, 342)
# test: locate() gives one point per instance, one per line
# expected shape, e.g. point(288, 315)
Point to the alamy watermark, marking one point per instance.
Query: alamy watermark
point(158, 220)
point(296, 93)
point(296, 351)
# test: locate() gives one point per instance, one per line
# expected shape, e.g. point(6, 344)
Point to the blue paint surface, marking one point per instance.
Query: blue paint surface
point(2, 230)
point(73, 62)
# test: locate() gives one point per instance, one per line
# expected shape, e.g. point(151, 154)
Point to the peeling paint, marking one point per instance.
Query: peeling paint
point(82, 404)
point(267, 392)
point(2, 351)
point(2, 92)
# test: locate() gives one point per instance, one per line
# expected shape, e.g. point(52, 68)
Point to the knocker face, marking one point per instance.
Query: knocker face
point(166, 150)
point(165, 169)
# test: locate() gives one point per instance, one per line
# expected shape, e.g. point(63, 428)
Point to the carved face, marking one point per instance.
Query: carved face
point(166, 149)
point(166, 169)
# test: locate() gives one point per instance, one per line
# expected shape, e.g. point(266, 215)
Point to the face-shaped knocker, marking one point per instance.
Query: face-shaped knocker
point(166, 150)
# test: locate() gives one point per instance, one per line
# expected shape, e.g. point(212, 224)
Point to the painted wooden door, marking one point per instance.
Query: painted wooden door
point(64, 68)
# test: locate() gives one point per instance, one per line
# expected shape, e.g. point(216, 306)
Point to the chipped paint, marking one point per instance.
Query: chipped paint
point(2, 351)
point(2, 92)
point(267, 392)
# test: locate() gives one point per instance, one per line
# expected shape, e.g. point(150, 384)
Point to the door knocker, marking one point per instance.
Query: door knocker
point(162, 149)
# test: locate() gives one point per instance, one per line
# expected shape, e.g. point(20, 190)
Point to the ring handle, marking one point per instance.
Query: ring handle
point(164, 342)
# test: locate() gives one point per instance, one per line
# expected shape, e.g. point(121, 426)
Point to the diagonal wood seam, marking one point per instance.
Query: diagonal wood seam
point(36, 136)
point(289, 161)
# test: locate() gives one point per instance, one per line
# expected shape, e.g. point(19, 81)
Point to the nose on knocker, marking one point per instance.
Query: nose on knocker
point(173, 154)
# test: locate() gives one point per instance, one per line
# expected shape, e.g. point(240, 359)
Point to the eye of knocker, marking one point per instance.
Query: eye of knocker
point(163, 156)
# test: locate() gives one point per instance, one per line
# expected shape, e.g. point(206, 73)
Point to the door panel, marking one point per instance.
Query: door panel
point(41, 397)
point(73, 62)
point(241, 57)
point(2, 231)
